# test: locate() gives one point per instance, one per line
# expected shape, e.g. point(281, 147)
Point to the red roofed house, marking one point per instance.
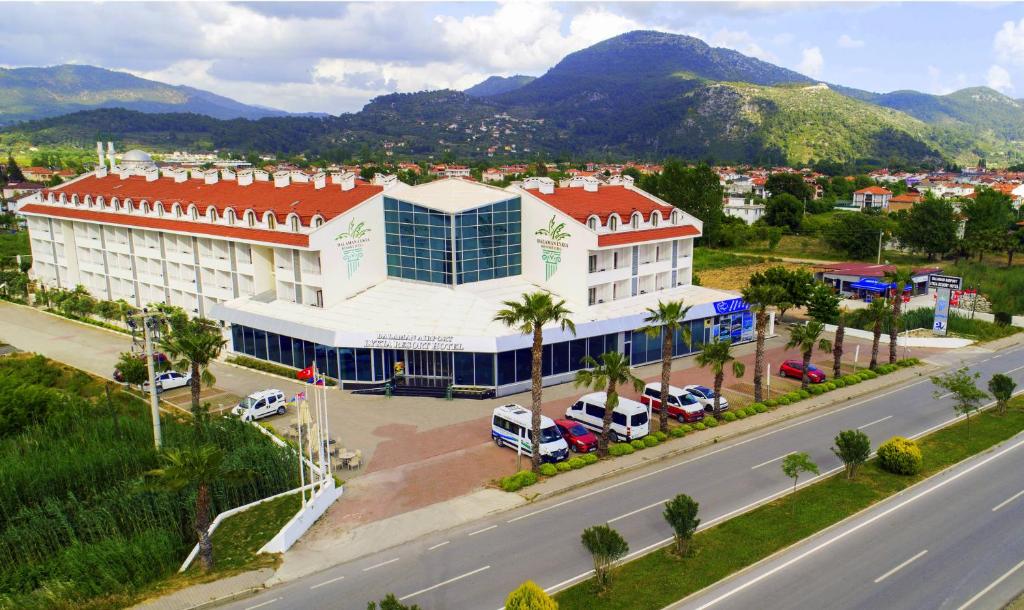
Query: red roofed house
point(872, 197)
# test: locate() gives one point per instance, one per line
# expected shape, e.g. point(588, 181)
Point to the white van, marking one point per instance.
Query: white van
point(511, 425)
point(630, 420)
point(260, 404)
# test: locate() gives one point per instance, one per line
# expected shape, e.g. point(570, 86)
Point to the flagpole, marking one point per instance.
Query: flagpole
point(327, 431)
point(302, 467)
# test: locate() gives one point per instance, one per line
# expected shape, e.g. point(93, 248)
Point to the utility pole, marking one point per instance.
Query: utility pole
point(879, 261)
point(150, 326)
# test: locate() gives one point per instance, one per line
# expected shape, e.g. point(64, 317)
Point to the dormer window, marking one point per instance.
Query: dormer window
point(250, 218)
point(655, 217)
point(676, 216)
point(318, 221)
point(195, 213)
point(230, 216)
point(295, 224)
point(613, 223)
point(634, 221)
point(271, 222)
point(213, 215)
point(592, 223)
point(177, 211)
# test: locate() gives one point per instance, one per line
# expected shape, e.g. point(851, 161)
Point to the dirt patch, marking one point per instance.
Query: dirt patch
point(735, 278)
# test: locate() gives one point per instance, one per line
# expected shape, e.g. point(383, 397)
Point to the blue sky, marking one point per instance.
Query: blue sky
point(334, 57)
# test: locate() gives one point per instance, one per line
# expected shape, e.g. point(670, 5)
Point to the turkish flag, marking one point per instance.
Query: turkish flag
point(305, 374)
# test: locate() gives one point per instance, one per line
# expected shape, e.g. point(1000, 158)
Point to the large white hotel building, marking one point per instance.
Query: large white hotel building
point(360, 277)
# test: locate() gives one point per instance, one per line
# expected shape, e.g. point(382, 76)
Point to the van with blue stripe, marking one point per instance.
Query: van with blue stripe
point(510, 427)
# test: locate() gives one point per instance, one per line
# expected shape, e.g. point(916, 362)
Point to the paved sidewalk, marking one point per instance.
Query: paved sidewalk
point(211, 593)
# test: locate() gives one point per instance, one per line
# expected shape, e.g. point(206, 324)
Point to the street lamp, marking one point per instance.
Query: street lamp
point(150, 327)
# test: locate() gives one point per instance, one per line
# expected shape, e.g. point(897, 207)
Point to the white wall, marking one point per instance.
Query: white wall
point(372, 266)
point(570, 278)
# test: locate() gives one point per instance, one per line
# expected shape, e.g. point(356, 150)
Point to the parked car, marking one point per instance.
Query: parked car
point(511, 425)
point(630, 420)
point(682, 405)
point(260, 404)
point(706, 397)
point(579, 439)
point(169, 380)
point(159, 362)
point(795, 369)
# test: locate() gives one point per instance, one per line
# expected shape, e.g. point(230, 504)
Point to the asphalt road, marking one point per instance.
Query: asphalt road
point(953, 542)
point(474, 567)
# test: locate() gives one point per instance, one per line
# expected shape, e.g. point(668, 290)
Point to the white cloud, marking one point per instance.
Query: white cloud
point(812, 62)
point(847, 42)
point(999, 79)
point(1009, 42)
point(740, 41)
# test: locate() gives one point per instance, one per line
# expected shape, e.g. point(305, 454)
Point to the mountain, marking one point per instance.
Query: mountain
point(979, 108)
point(32, 93)
point(499, 84)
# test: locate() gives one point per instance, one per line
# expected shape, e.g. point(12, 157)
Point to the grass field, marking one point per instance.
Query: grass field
point(659, 578)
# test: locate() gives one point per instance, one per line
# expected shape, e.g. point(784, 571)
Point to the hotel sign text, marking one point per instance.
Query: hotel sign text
point(437, 343)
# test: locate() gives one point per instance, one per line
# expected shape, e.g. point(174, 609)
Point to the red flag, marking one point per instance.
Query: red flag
point(305, 374)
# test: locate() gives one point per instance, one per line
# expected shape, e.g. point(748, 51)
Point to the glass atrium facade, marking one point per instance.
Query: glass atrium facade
point(488, 242)
point(419, 242)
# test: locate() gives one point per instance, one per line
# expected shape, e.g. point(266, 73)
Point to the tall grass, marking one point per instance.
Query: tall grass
point(925, 317)
point(1003, 286)
point(76, 523)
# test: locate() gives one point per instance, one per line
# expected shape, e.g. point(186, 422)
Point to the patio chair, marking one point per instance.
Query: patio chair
point(355, 462)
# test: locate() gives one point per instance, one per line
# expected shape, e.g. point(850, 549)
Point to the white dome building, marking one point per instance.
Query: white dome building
point(136, 158)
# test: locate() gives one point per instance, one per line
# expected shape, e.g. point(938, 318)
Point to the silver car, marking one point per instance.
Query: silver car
point(706, 397)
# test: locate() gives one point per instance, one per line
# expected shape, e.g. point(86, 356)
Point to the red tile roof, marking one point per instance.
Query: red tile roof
point(635, 237)
point(875, 190)
point(164, 224)
point(906, 198)
point(868, 269)
point(302, 198)
point(581, 204)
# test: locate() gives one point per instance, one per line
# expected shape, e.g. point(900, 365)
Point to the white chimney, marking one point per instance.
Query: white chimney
point(211, 176)
point(261, 175)
point(336, 177)
point(244, 178)
point(167, 172)
point(101, 170)
point(319, 180)
point(228, 174)
point(151, 173)
point(181, 174)
point(590, 186)
point(298, 176)
point(547, 188)
point(123, 172)
point(348, 181)
point(99, 154)
point(197, 174)
point(281, 179)
point(110, 153)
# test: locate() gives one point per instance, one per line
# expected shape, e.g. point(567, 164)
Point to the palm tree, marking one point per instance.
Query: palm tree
point(761, 297)
point(530, 315)
point(193, 345)
point(607, 375)
point(717, 356)
point(199, 467)
point(666, 320)
point(837, 347)
point(878, 311)
point(806, 337)
point(901, 277)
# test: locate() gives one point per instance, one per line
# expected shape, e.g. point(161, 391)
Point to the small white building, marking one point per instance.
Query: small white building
point(744, 209)
point(874, 197)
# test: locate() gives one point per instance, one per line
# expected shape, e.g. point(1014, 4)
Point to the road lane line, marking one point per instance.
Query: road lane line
point(995, 584)
point(486, 529)
point(946, 395)
point(1016, 369)
point(266, 603)
point(900, 567)
point(437, 546)
point(859, 526)
point(716, 451)
point(326, 582)
point(772, 460)
point(1008, 500)
point(441, 584)
point(383, 563)
point(639, 510)
point(877, 421)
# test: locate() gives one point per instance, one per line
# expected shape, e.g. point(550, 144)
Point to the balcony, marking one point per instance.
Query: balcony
point(607, 276)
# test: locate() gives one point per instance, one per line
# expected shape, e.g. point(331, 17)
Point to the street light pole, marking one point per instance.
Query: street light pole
point(879, 261)
point(149, 326)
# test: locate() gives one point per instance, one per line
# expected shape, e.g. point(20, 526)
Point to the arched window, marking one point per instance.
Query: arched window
point(294, 222)
point(213, 214)
point(144, 207)
point(194, 212)
point(592, 223)
point(159, 208)
point(74, 199)
point(613, 223)
point(655, 218)
point(676, 217)
point(230, 216)
point(177, 210)
point(115, 204)
point(318, 221)
point(271, 221)
point(250, 218)
point(635, 220)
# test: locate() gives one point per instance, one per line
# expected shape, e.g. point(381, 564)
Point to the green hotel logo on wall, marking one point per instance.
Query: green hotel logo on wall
point(554, 236)
point(351, 243)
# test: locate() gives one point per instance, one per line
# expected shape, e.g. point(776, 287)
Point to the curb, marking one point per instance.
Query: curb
point(230, 597)
point(125, 333)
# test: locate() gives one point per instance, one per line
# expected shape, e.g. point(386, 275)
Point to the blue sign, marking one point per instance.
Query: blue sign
point(730, 306)
point(941, 322)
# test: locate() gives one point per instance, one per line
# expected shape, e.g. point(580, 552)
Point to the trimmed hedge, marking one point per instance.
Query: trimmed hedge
point(589, 458)
point(620, 449)
point(637, 444)
point(710, 422)
point(699, 426)
point(519, 480)
point(575, 463)
point(900, 455)
point(563, 466)
point(783, 401)
point(661, 436)
point(729, 416)
point(759, 408)
point(771, 403)
point(741, 414)
point(651, 441)
point(548, 470)
point(805, 393)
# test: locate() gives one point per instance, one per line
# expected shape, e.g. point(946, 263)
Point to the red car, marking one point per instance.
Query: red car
point(795, 370)
point(579, 439)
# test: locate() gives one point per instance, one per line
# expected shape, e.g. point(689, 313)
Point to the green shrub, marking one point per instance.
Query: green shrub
point(589, 458)
point(710, 421)
point(637, 444)
point(563, 466)
point(661, 436)
point(729, 416)
point(1002, 318)
point(750, 411)
point(680, 431)
point(783, 401)
point(804, 393)
point(759, 408)
point(548, 470)
point(651, 441)
point(794, 396)
point(519, 480)
point(900, 455)
point(575, 463)
point(700, 426)
point(771, 403)
point(815, 390)
point(851, 379)
point(908, 362)
point(839, 383)
point(620, 449)
point(830, 386)
point(740, 414)
point(867, 374)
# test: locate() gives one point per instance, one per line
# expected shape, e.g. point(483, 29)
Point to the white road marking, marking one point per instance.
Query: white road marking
point(1008, 500)
point(859, 526)
point(1016, 369)
point(710, 453)
point(900, 567)
point(995, 584)
point(639, 510)
point(266, 603)
point(383, 563)
point(441, 584)
point(772, 460)
point(437, 546)
point(877, 421)
point(947, 394)
point(486, 529)
point(326, 582)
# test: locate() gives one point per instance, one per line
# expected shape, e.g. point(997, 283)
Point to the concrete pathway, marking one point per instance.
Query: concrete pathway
point(211, 593)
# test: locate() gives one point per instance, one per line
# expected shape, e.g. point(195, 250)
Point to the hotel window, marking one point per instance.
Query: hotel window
point(213, 215)
point(250, 218)
point(635, 221)
point(318, 221)
point(418, 242)
point(592, 223)
point(613, 223)
point(655, 217)
point(271, 222)
point(487, 242)
point(195, 213)
point(675, 217)
point(592, 263)
point(592, 295)
point(295, 224)
point(230, 217)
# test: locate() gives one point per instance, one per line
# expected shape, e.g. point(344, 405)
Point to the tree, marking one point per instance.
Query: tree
point(853, 447)
point(1002, 387)
point(761, 297)
point(13, 171)
point(823, 304)
point(966, 395)
point(197, 467)
point(855, 234)
point(607, 375)
point(930, 227)
point(804, 338)
point(795, 464)
point(530, 315)
point(901, 277)
point(133, 369)
point(606, 546)
point(796, 284)
point(877, 312)
point(791, 184)
point(784, 211)
point(390, 602)
point(681, 513)
point(837, 345)
point(988, 215)
point(696, 190)
point(193, 345)
point(717, 356)
point(529, 596)
point(666, 320)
